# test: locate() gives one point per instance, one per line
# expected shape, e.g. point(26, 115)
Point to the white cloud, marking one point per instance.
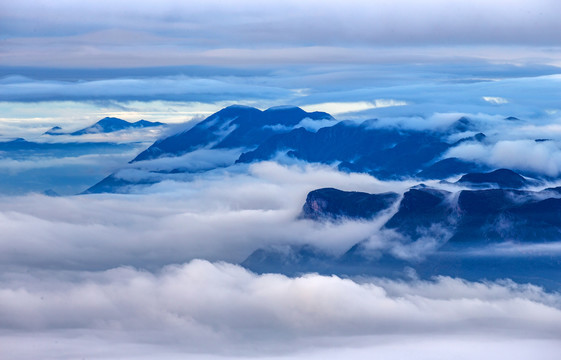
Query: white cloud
point(107, 161)
point(315, 125)
point(213, 215)
point(228, 24)
point(337, 108)
point(222, 309)
point(495, 100)
point(528, 155)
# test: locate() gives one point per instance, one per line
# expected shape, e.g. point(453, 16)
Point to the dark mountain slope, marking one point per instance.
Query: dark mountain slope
point(106, 125)
point(361, 148)
point(232, 127)
point(503, 178)
point(334, 204)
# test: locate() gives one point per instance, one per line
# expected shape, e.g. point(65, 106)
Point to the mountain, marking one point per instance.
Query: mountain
point(106, 125)
point(479, 216)
point(420, 209)
point(233, 127)
point(111, 124)
point(334, 204)
point(291, 260)
point(51, 193)
point(21, 145)
point(463, 124)
point(56, 130)
point(498, 215)
point(460, 225)
point(295, 260)
point(385, 153)
point(467, 216)
point(503, 178)
point(448, 167)
point(113, 183)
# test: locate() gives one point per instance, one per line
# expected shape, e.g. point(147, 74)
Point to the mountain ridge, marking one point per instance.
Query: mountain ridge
point(105, 125)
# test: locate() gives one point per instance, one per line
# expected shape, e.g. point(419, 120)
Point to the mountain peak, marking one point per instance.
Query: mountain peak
point(236, 126)
point(55, 130)
point(463, 124)
point(112, 124)
point(503, 178)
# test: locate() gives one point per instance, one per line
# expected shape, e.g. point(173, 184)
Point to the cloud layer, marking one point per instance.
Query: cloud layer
point(123, 276)
point(319, 22)
point(218, 215)
point(252, 33)
point(222, 309)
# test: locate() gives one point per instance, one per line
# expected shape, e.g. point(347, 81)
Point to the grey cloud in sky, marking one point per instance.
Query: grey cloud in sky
point(131, 34)
point(531, 97)
point(297, 22)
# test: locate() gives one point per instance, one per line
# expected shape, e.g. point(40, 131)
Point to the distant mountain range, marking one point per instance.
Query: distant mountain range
point(233, 127)
point(454, 223)
point(68, 148)
point(469, 206)
point(263, 135)
point(106, 125)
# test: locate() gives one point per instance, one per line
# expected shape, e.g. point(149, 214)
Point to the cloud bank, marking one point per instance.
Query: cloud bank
point(222, 309)
point(217, 215)
point(527, 155)
point(250, 21)
point(128, 276)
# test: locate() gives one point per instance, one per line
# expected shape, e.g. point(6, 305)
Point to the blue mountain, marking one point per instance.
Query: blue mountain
point(449, 167)
point(106, 125)
point(333, 204)
point(233, 127)
point(385, 153)
point(21, 145)
point(503, 178)
point(468, 220)
point(469, 216)
point(111, 124)
point(360, 261)
point(463, 124)
point(56, 130)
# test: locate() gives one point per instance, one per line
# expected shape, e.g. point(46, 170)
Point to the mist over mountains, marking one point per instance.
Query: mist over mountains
point(105, 125)
point(468, 206)
point(280, 180)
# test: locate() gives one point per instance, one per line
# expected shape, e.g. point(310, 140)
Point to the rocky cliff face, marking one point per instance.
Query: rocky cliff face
point(333, 204)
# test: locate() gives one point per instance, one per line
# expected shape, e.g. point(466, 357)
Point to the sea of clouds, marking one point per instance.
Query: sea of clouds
point(152, 274)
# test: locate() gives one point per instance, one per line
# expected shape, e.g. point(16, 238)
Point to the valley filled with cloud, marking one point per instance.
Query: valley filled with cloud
point(280, 180)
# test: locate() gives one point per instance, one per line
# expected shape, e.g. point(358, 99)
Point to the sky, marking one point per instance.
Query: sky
point(153, 274)
point(176, 60)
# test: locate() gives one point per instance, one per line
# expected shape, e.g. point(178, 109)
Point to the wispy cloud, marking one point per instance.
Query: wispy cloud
point(495, 100)
point(341, 108)
point(528, 155)
point(224, 216)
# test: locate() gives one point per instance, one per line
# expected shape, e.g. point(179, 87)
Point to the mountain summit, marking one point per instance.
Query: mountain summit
point(106, 125)
point(111, 124)
point(232, 127)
